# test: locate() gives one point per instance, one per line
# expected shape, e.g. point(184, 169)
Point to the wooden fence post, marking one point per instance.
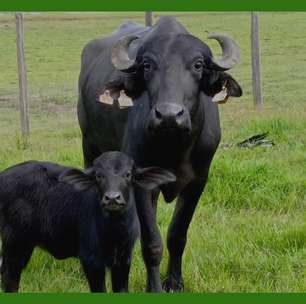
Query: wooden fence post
point(149, 18)
point(256, 69)
point(23, 101)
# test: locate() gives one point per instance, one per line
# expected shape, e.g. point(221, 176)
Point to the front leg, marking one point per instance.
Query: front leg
point(95, 277)
point(177, 233)
point(120, 277)
point(151, 242)
point(90, 152)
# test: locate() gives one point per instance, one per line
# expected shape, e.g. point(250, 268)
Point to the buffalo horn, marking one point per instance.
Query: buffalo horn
point(230, 52)
point(119, 54)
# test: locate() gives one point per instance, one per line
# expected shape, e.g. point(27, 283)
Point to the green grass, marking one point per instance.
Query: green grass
point(249, 230)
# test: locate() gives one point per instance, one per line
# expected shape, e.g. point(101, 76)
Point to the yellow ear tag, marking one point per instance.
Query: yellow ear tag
point(222, 96)
point(109, 97)
point(124, 100)
point(106, 98)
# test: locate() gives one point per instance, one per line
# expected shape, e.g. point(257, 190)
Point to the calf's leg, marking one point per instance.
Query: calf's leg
point(120, 277)
point(15, 256)
point(95, 277)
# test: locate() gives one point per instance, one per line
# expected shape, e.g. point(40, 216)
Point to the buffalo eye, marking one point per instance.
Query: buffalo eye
point(198, 65)
point(128, 175)
point(147, 66)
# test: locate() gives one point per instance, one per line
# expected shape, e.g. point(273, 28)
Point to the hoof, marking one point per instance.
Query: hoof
point(172, 285)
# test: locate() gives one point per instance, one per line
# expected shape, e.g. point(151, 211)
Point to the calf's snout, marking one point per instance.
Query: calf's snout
point(113, 200)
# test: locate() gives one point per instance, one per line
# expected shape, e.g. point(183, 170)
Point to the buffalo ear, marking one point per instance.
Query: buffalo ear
point(122, 90)
point(152, 177)
point(81, 180)
point(220, 86)
point(233, 87)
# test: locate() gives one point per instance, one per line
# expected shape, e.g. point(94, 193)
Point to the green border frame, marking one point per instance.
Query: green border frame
point(155, 5)
point(237, 298)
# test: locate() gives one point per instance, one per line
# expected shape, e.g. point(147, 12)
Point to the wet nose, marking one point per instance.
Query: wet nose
point(171, 111)
point(111, 197)
point(169, 116)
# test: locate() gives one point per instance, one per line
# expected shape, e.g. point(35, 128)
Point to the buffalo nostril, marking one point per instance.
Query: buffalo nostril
point(158, 115)
point(112, 197)
point(180, 113)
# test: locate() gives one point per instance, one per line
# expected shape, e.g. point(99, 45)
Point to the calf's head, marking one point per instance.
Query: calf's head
point(174, 69)
point(114, 174)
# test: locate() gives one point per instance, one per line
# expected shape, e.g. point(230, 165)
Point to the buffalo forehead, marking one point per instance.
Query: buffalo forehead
point(181, 45)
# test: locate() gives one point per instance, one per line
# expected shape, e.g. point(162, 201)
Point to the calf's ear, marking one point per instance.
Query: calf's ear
point(81, 180)
point(220, 86)
point(152, 177)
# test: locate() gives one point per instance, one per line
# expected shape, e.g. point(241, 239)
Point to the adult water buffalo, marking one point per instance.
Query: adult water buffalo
point(172, 78)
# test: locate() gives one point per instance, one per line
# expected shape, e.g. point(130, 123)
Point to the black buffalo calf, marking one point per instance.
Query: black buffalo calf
point(89, 214)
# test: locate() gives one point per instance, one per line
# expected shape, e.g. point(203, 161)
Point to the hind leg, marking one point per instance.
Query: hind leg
point(15, 256)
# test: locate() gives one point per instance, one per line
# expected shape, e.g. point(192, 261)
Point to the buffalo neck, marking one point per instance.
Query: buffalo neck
point(168, 150)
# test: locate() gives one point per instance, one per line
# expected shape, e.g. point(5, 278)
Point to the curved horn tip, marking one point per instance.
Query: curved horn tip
point(230, 52)
point(121, 64)
point(119, 53)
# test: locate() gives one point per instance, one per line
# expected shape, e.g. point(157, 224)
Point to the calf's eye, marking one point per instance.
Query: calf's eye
point(128, 175)
point(98, 176)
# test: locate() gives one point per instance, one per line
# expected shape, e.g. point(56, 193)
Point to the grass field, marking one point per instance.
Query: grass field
point(249, 231)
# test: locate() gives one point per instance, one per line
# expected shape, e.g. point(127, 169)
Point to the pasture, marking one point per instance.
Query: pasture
point(249, 230)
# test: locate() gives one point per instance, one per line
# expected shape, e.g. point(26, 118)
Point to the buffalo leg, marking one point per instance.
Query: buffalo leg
point(95, 277)
point(15, 256)
point(155, 195)
point(177, 234)
point(151, 242)
point(90, 153)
